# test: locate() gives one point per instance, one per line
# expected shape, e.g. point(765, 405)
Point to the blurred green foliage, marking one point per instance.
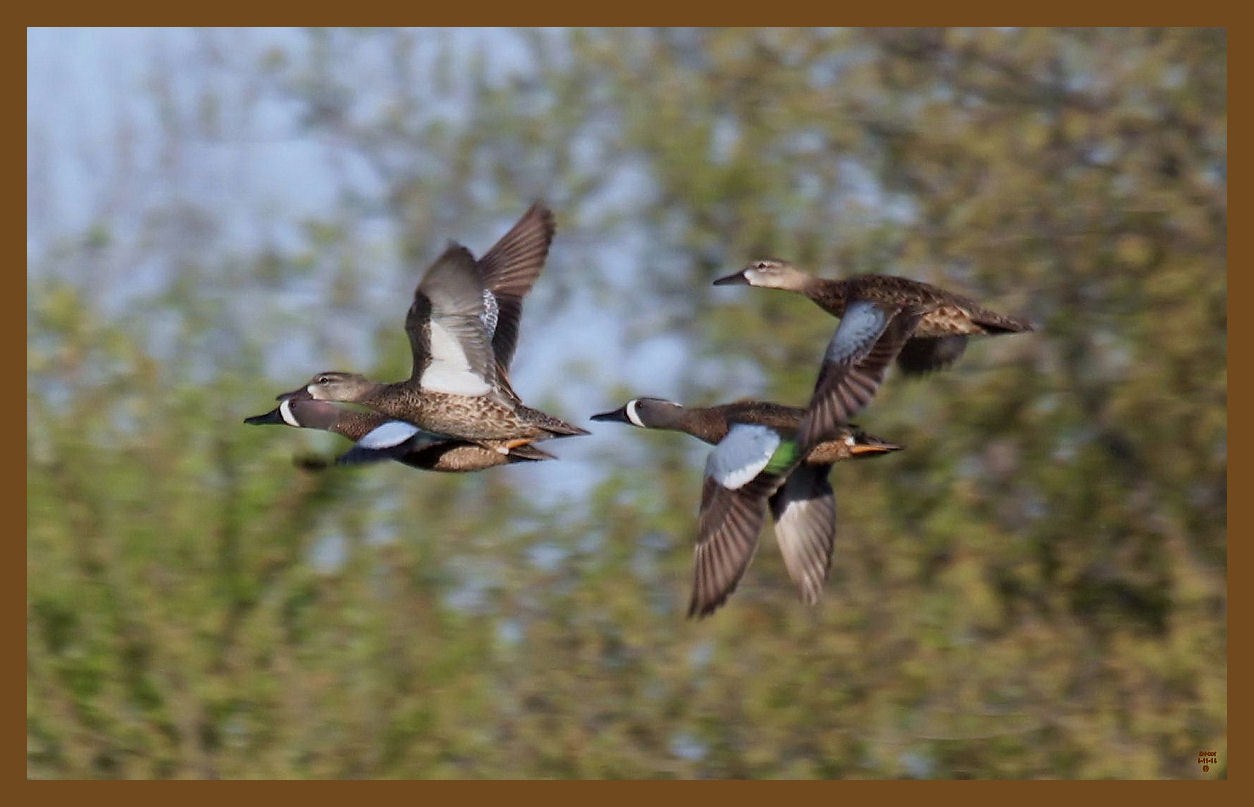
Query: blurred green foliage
point(1035, 588)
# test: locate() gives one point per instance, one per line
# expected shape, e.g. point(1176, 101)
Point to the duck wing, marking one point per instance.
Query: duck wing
point(924, 354)
point(392, 440)
point(451, 342)
point(805, 527)
point(508, 271)
point(870, 335)
point(739, 476)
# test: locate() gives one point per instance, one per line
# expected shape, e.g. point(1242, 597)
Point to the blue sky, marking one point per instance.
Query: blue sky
point(100, 105)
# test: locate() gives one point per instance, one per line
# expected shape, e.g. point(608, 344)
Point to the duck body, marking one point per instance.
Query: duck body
point(942, 313)
point(461, 457)
point(945, 319)
point(429, 453)
point(483, 419)
point(711, 424)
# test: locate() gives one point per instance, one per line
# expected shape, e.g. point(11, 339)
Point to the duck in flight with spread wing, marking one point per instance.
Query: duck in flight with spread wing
point(463, 327)
point(803, 506)
point(947, 320)
point(752, 463)
point(421, 450)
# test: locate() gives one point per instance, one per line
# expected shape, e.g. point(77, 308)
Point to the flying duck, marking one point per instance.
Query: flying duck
point(803, 506)
point(463, 328)
point(419, 449)
point(947, 318)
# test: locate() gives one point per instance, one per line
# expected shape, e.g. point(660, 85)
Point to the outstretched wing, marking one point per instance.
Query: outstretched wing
point(450, 340)
point(728, 527)
point(867, 340)
point(733, 498)
point(805, 527)
point(509, 269)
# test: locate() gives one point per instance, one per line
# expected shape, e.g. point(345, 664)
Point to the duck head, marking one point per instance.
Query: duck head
point(767, 273)
point(646, 413)
point(332, 386)
point(862, 444)
point(299, 412)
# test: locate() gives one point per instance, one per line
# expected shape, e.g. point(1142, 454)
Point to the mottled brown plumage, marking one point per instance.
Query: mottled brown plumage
point(480, 419)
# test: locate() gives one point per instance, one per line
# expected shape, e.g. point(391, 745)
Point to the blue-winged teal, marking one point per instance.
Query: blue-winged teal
point(419, 449)
point(756, 456)
point(947, 318)
point(462, 327)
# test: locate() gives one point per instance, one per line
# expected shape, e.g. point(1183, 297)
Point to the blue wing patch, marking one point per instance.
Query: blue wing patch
point(742, 455)
point(390, 434)
point(860, 327)
point(393, 439)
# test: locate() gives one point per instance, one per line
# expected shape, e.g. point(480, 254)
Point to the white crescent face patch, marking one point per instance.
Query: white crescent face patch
point(742, 455)
point(449, 370)
point(285, 410)
point(631, 413)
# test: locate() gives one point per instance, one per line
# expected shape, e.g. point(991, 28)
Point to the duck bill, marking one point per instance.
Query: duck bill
point(274, 416)
point(619, 415)
point(872, 446)
point(737, 279)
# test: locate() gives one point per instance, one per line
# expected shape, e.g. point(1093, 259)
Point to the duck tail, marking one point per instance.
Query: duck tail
point(556, 427)
point(994, 323)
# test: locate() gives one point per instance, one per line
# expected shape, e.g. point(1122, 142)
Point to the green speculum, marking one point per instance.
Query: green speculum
point(785, 456)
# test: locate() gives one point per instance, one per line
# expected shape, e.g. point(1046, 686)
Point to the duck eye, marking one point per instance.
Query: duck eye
point(322, 379)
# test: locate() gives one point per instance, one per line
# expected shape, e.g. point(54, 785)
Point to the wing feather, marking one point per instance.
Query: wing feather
point(450, 340)
point(728, 528)
point(804, 509)
point(510, 268)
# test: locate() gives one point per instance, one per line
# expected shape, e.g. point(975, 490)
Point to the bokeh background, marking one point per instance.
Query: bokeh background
point(1034, 588)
